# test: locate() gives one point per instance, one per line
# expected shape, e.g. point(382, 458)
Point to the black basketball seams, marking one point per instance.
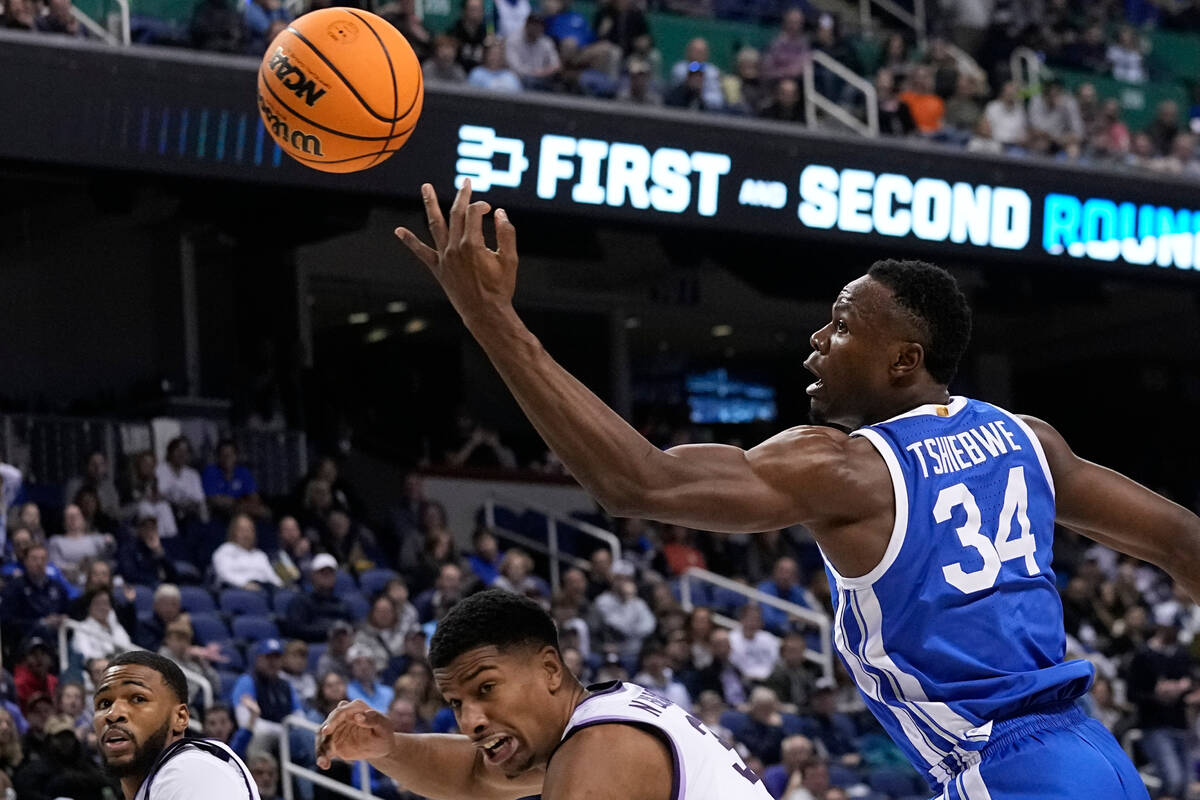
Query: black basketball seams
point(345, 160)
point(392, 72)
point(315, 124)
point(420, 74)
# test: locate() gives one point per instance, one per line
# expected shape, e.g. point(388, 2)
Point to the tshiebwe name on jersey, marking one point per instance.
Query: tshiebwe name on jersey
point(960, 451)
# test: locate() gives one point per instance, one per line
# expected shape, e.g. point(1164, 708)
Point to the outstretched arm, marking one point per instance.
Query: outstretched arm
point(782, 482)
point(1111, 509)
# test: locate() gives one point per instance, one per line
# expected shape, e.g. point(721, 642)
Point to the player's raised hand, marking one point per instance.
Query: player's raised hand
point(353, 732)
point(474, 277)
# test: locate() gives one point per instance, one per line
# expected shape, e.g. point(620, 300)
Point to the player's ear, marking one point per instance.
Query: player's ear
point(181, 719)
point(907, 359)
point(552, 666)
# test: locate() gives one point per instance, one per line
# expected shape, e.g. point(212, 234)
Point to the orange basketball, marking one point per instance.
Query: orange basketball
point(340, 90)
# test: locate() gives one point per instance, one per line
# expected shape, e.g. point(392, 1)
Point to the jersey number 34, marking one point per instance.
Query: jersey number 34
point(994, 548)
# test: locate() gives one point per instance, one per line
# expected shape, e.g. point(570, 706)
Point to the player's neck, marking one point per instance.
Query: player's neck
point(130, 785)
point(906, 401)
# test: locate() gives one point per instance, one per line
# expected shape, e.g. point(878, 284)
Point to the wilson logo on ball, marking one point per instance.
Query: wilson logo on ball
point(293, 78)
point(303, 141)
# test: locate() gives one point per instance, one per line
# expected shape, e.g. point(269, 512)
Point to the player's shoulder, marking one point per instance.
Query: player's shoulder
point(612, 760)
point(196, 772)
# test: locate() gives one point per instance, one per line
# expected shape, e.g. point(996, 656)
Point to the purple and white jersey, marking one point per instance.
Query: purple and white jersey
point(704, 766)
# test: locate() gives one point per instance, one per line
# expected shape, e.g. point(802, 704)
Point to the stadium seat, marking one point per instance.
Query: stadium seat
point(228, 679)
point(735, 722)
point(345, 583)
point(444, 722)
point(373, 580)
point(209, 627)
point(254, 629)
point(283, 598)
point(241, 601)
point(843, 776)
point(359, 605)
point(315, 651)
point(197, 600)
point(144, 601)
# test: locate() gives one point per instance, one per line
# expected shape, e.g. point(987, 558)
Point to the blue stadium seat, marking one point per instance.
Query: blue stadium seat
point(242, 601)
point(373, 580)
point(283, 598)
point(197, 600)
point(345, 583)
point(735, 722)
point(792, 724)
point(444, 722)
point(359, 605)
point(315, 651)
point(144, 601)
point(228, 679)
point(208, 627)
point(843, 776)
point(254, 629)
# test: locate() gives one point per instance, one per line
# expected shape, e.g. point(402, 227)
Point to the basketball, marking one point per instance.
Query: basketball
point(340, 90)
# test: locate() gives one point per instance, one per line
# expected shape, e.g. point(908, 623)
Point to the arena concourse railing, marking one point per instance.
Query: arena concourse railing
point(551, 548)
point(814, 100)
point(914, 19)
point(817, 619)
point(64, 664)
point(288, 770)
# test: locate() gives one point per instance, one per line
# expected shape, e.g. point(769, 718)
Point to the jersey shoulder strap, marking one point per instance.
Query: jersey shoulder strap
point(209, 746)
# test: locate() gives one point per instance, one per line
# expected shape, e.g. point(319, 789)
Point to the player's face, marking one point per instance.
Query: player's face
point(136, 716)
point(505, 701)
point(852, 354)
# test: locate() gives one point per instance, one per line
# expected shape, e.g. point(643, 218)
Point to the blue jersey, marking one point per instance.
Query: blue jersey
point(960, 625)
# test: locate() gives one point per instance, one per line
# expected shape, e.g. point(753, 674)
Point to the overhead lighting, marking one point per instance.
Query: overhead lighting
point(397, 307)
point(632, 323)
point(359, 318)
point(377, 335)
point(415, 325)
point(722, 330)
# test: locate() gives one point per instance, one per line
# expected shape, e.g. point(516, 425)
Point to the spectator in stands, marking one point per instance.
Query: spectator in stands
point(293, 558)
point(99, 576)
point(68, 700)
point(1165, 126)
point(625, 617)
point(257, 18)
point(309, 614)
point(516, 576)
point(679, 550)
point(32, 601)
point(177, 646)
point(963, 110)
point(316, 506)
point(433, 603)
point(763, 732)
point(167, 607)
point(178, 482)
point(1088, 52)
point(403, 15)
point(422, 559)
point(405, 516)
point(601, 577)
point(443, 66)
point(832, 728)
point(624, 25)
point(701, 77)
point(720, 675)
point(1055, 123)
point(659, 678)
point(331, 690)
point(154, 504)
point(926, 107)
point(493, 74)
point(471, 34)
point(534, 58)
point(94, 517)
point(789, 51)
point(11, 753)
point(38, 711)
point(365, 684)
point(1126, 56)
point(811, 782)
point(93, 671)
point(229, 487)
point(383, 631)
point(349, 542)
point(1110, 136)
point(1141, 151)
point(294, 670)
point(341, 638)
point(76, 544)
point(32, 675)
point(19, 15)
point(793, 676)
point(895, 119)
point(485, 560)
point(100, 634)
point(829, 40)
point(896, 58)
point(63, 768)
point(1162, 687)
point(219, 724)
point(264, 769)
point(574, 590)
point(1006, 119)
point(29, 516)
point(785, 103)
point(573, 630)
point(274, 697)
point(794, 753)
point(95, 476)
point(238, 563)
point(754, 650)
point(784, 583)
point(1103, 706)
point(638, 84)
point(397, 591)
point(141, 476)
point(143, 559)
point(744, 89)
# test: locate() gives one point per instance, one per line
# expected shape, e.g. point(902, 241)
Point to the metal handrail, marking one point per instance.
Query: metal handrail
point(64, 662)
point(814, 101)
point(915, 19)
point(816, 618)
point(93, 27)
point(553, 518)
point(287, 768)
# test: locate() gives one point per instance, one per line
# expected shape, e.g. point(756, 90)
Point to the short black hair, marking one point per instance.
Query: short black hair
point(491, 617)
point(172, 675)
point(939, 307)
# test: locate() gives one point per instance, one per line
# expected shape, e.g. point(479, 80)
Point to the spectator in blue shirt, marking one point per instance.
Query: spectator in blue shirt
point(33, 601)
point(258, 16)
point(22, 539)
point(485, 561)
point(832, 728)
point(784, 583)
point(492, 74)
point(230, 487)
point(365, 686)
point(564, 22)
point(271, 697)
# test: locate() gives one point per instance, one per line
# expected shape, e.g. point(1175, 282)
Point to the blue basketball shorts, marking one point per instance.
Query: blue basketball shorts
point(1061, 753)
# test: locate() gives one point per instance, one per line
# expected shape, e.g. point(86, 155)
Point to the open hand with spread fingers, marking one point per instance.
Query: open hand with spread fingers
point(476, 278)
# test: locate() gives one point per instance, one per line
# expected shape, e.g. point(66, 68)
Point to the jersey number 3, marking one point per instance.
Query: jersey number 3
point(994, 550)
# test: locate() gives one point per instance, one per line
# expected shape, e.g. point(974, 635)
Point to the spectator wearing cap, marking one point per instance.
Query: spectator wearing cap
point(167, 607)
point(637, 86)
point(32, 674)
point(533, 56)
point(62, 769)
point(310, 614)
point(179, 483)
point(239, 563)
point(100, 634)
point(142, 559)
point(177, 646)
point(33, 601)
point(230, 487)
point(625, 618)
point(273, 698)
point(659, 678)
point(832, 728)
point(701, 77)
point(364, 684)
point(341, 638)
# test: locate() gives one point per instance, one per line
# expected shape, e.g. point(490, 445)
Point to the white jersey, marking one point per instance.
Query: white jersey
point(198, 769)
point(704, 766)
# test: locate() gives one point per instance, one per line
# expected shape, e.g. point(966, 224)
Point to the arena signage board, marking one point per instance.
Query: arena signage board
point(176, 112)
